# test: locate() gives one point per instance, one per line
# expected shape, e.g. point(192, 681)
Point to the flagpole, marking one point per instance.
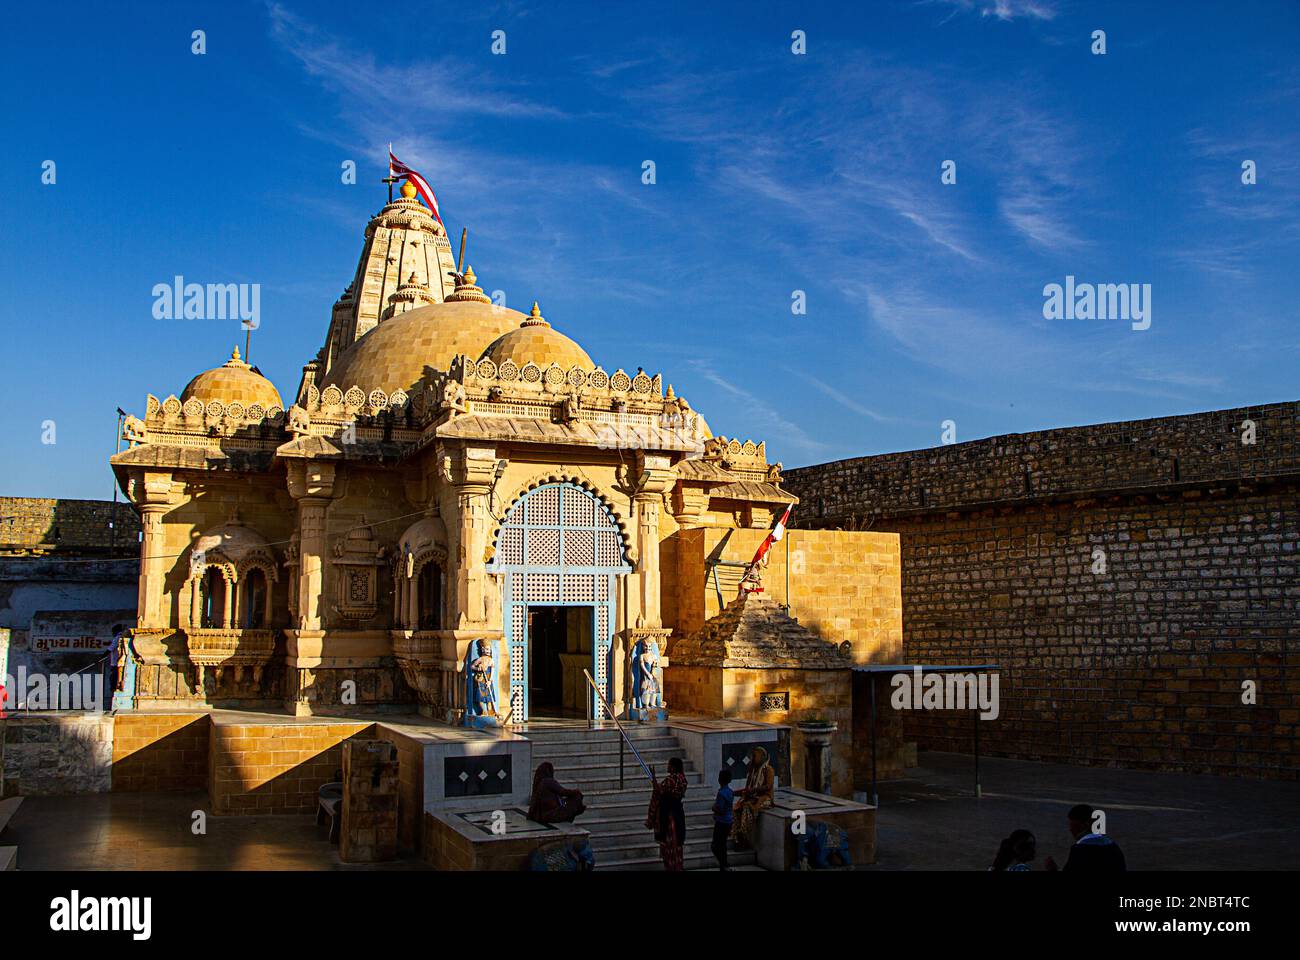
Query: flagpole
point(787, 572)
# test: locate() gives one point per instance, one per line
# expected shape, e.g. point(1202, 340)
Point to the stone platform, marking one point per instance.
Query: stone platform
point(777, 845)
point(466, 841)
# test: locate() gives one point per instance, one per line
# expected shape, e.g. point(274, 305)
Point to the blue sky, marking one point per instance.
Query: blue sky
point(775, 173)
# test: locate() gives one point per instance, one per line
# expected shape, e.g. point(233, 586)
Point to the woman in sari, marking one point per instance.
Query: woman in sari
point(753, 797)
point(551, 802)
point(666, 816)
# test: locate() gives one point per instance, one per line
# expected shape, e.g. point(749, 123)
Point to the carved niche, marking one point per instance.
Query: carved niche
point(357, 561)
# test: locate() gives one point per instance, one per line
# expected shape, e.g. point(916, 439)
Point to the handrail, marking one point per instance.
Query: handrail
point(621, 732)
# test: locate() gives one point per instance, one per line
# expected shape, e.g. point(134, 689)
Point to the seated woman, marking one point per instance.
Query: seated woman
point(551, 802)
point(756, 794)
point(1016, 852)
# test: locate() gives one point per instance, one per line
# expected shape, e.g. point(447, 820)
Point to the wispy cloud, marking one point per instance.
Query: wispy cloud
point(843, 399)
point(1001, 9)
point(759, 413)
point(456, 86)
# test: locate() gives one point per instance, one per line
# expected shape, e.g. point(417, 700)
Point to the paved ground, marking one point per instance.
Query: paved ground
point(123, 831)
point(930, 821)
point(1163, 821)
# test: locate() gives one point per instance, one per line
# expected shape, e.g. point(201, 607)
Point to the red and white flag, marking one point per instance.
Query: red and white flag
point(776, 535)
point(398, 169)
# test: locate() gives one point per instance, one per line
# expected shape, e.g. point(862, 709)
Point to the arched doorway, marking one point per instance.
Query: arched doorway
point(558, 552)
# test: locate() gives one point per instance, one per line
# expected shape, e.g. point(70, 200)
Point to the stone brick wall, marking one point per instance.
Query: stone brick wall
point(1141, 663)
point(57, 753)
point(154, 752)
point(734, 692)
point(844, 585)
point(275, 768)
point(35, 525)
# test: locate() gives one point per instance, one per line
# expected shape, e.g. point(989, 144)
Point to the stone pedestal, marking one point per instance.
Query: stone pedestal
point(817, 754)
point(369, 829)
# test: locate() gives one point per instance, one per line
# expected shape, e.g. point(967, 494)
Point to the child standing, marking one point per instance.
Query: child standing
point(723, 811)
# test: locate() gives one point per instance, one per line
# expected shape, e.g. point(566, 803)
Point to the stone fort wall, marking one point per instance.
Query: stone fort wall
point(1137, 662)
point(39, 525)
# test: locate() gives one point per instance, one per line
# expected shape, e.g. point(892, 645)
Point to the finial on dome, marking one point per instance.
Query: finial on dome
point(467, 289)
point(235, 359)
point(408, 190)
point(535, 318)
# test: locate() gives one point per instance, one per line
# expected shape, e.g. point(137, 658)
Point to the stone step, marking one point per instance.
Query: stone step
point(8, 858)
point(647, 746)
point(601, 769)
point(635, 829)
point(565, 735)
point(634, 848)
point(616, 807)
point(605, 786)
point(7, 809)
point(692, 861)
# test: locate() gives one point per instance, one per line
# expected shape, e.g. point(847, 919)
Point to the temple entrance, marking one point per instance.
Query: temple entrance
point(559, 553)
point(559, 649)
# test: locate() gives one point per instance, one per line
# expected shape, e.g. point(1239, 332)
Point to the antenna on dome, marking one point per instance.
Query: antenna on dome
point(460, 263)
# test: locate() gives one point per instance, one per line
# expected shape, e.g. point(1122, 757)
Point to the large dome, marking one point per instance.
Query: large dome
point(537, 341)
point(394, 354)
point(234, 381)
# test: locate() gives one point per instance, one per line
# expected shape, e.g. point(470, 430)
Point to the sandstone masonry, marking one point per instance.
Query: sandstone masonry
point(1137, 660)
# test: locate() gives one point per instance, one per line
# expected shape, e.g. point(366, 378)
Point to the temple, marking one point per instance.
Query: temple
point(462, 515)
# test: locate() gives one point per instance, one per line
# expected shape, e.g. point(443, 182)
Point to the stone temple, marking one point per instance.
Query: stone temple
point(459, 516)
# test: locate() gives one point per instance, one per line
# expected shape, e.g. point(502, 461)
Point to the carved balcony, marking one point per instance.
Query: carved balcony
point(222, 648)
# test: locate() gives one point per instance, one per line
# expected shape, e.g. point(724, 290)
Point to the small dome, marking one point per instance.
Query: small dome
point(423, 534)
point(233, 381)
point(537, 341)
point(394, 354)
point(232, 540)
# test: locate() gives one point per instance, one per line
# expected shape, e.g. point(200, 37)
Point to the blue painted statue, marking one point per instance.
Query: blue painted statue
point(480, 685)
point(647, 698)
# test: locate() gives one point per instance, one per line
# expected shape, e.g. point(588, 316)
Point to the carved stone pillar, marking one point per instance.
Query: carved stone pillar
point(412, 611)
point(311, 483)
point(689, 506)
point(196, 602)
point(228, 611)
point(152, 492)
point(655, 478)
point(647, 547)
point(473, 471)
point(311, 571)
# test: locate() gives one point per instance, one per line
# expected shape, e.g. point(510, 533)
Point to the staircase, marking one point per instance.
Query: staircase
point(588, 760)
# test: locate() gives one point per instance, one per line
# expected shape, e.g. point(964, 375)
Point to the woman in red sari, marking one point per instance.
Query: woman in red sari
point(666, 816)
point(551, 802)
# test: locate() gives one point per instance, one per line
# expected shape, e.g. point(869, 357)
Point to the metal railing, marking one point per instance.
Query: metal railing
point(624, 738)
